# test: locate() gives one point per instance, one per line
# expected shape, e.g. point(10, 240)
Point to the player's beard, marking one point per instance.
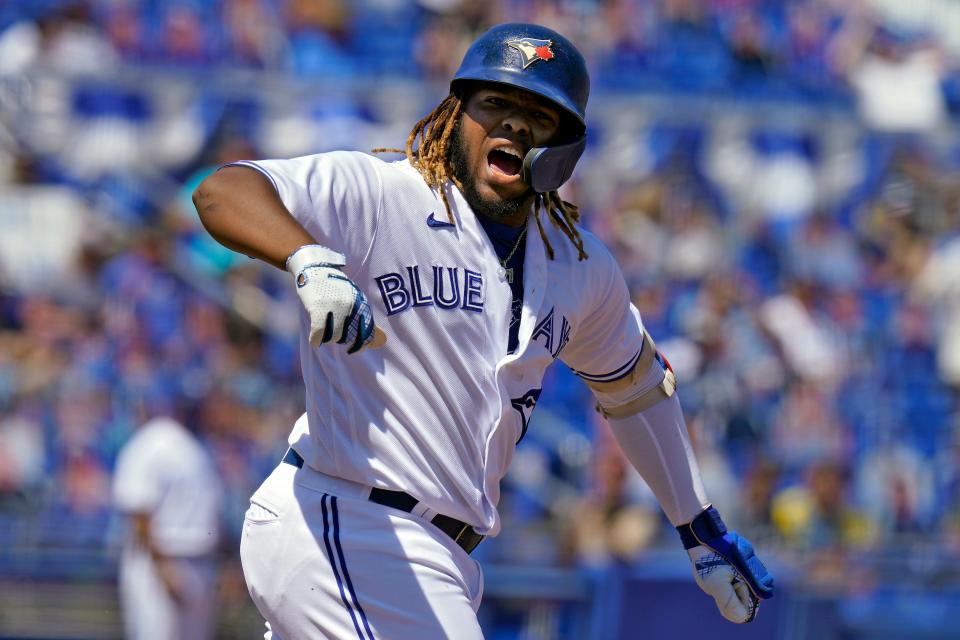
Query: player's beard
point(497, 209)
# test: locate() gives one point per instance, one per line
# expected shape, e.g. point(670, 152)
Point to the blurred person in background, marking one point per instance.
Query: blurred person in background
point(166, 487)
point(64, 40)
point(318, 38)
point(22, 451)
point(617, 520)
point(897, 77)
point(760, 484)
point(818, 519)
point(895, 485)
point(938, 287)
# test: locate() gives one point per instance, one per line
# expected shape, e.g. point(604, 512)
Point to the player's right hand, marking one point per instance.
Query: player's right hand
point(338, 309)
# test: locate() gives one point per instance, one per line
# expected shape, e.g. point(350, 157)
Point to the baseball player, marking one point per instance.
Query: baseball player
point(166, 486)
point(436, 292)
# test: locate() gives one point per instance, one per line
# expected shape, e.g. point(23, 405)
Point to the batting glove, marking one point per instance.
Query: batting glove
point(725, 567)
point(338, 309)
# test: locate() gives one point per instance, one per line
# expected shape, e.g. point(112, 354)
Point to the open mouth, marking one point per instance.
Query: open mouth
point(505, 161)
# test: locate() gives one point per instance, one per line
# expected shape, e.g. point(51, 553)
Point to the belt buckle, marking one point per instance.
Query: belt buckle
point(470, 544)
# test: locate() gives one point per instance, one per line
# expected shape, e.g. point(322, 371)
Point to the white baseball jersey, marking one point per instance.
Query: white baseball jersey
point(163, 470)
point(438, 411)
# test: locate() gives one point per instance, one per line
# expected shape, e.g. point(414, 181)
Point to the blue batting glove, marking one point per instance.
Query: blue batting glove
point(725, 567)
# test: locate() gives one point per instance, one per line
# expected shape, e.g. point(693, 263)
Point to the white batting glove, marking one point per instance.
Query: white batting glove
point(725, 567)
point(338, 309)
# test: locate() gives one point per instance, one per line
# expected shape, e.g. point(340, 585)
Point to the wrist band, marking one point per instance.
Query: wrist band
point(313, 255)
point(705, 526)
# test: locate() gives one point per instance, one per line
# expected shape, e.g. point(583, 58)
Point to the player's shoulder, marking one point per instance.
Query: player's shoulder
point(400, 174)
point(599, 257)
point(366, 159)
point(156, 436)
point(348, 159)
point(347, 163)
point(325, 161)
point(402, 169)
point(594, 244)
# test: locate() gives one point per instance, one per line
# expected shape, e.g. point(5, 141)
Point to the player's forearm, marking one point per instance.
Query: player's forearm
point(656, 443)
point(240, 209)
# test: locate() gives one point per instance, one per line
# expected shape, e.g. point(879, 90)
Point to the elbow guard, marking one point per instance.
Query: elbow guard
point(651, 381)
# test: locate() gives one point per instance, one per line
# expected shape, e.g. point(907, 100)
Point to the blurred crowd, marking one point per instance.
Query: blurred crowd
point(801, 50)
point(777, 180)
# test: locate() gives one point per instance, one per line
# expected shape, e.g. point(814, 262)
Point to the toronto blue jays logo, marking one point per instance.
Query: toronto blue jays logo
point(525, 406)
point(532, 49)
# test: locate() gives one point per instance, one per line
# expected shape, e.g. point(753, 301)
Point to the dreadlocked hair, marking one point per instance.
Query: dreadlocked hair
point(563, 215)
point(432, 159)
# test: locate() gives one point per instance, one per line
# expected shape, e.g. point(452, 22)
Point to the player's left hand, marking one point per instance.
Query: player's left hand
point(725, 567)
point(338, 309)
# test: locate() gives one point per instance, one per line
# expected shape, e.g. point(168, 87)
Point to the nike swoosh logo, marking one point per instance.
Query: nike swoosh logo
point(437, 224)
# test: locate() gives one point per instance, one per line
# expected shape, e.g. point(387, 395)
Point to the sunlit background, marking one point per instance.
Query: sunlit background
point(779, 181)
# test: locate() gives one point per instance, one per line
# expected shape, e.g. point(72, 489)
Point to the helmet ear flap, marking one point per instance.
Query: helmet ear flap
point(547, 168)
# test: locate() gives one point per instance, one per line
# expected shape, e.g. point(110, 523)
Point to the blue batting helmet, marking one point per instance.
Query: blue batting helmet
point(530, 57)
point(543, 62)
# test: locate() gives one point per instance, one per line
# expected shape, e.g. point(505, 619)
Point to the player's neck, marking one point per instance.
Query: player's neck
point(517, 219)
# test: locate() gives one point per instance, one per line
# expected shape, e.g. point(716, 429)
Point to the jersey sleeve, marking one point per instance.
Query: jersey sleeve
point(606, 344)
point(336, 196)
point(135, 488)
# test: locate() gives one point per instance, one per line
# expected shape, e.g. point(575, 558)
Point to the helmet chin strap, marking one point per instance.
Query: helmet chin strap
point(547, 168)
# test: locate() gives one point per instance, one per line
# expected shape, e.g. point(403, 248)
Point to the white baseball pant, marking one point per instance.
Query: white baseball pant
point(321, 561)
point(149, 613)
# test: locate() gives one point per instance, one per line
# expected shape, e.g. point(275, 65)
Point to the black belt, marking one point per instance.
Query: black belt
point(461, 533)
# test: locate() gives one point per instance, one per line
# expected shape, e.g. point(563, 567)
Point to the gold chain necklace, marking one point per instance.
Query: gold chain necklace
point(516, 245)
